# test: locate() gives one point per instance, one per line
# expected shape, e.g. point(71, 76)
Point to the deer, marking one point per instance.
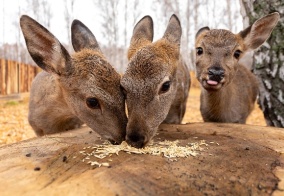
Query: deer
point(156, 82)
point(228, 89)
point(72, 90)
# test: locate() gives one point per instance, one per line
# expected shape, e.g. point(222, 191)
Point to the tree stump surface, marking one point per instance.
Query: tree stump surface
point(238, 160)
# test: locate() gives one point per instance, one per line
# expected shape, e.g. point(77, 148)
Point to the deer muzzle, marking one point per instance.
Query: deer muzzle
point(215, 75)
point(136, 139)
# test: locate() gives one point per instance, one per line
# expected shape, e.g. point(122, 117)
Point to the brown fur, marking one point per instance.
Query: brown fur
point(232, 99)
point(58, 99)
point(150, 66)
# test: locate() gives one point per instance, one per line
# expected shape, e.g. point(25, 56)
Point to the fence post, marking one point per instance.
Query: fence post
point(16, 77)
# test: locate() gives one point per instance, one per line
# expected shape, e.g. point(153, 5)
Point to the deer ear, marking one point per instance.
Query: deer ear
point(173, 31)
point(82, 37)
point(255, 35)
point(142, 35)
point(44, 48)
point(202, 30)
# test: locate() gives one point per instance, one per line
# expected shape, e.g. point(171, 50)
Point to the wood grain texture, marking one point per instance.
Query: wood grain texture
point(248, 161)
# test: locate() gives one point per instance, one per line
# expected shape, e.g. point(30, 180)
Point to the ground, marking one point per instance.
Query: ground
point(15, 127)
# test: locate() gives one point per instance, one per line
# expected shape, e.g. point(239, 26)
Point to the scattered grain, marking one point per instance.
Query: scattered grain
point(169, 149)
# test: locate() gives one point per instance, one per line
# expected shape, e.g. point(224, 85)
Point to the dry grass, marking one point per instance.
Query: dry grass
point(14, 124)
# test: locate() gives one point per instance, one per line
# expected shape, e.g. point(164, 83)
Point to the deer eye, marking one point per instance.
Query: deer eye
point(237, 54)
point(93, 103)
point(199, 51)
point(165, 87)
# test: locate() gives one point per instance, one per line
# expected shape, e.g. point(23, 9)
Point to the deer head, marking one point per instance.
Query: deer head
point(150, 82)
point(89, 84)
point(218, 51)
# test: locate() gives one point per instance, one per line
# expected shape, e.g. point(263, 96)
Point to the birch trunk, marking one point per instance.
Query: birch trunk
point(268, 60)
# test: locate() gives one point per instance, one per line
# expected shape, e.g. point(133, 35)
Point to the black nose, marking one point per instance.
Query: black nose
point(216, 73)
point(135, 139)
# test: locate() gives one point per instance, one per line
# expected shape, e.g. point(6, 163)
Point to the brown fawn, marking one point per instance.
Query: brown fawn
point(229, 89)
point(72, 90)
point(156, 82)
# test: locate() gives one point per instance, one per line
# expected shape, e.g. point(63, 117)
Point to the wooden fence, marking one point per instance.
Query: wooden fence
point(16, 77)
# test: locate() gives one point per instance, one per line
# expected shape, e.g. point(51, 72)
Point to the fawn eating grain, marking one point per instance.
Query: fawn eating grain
point(156, 82)
point(72, 90)
point(229, 90)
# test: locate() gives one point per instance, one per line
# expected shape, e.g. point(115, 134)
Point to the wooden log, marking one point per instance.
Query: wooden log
point(239, 160)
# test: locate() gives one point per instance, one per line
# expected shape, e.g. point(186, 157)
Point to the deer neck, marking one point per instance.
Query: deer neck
point(217, 101)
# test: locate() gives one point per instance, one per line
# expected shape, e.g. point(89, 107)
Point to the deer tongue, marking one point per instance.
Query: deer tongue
point(212, 82)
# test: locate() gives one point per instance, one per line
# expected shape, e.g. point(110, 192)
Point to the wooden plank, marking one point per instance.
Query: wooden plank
point(25, 78)
point(18, 77)
point(13, 77)
point(7, 77)
point(31, 77)
point(2, 83)
point(10, 76)
point(239, 160)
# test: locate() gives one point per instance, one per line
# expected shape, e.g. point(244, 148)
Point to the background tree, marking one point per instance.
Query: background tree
point(115, 21)
point(268, 62)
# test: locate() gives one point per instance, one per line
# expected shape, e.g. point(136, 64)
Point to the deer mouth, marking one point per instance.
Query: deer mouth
point(212, 85)
point(136, 140)
point(212, 82)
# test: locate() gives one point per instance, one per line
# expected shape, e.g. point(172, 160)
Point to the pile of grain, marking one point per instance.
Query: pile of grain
point(168, 149)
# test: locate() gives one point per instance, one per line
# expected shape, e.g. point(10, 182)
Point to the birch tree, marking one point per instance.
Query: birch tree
point(110, 31)
point(269, 60)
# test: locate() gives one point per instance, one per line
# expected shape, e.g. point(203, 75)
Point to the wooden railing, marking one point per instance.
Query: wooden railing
point(16, 77)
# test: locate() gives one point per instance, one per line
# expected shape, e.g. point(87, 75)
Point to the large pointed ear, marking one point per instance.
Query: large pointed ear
point(82, 37)
point(44, 48)
point(142, 35)
point(173, 31)
point(201, 31)
point(255, 35)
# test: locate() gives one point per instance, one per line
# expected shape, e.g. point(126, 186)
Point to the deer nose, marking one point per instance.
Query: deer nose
point(216, 73)
point(135, 139)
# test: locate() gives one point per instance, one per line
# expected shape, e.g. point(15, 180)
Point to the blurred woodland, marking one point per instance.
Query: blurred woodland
point(115, 21)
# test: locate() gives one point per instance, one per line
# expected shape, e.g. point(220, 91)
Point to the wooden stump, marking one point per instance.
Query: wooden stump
point(239, 160)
